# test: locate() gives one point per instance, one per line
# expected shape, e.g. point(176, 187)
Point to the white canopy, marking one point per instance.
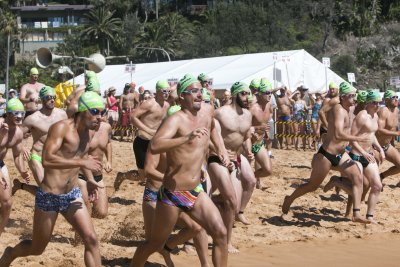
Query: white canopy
point(292, 68)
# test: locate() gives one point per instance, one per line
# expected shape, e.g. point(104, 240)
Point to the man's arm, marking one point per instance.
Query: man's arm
point(338, 126)
point(383, 114)
point(218, 142)
point(164, 139)
point(323, 111)
point(108, 153)
point(72, 101)
point(22, 95)
point(19, 161)
point(150, 167)
point(53, 144)
point(138, 112)
point(121, 99)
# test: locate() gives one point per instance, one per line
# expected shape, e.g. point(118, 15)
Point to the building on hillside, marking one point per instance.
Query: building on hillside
point(47, 25)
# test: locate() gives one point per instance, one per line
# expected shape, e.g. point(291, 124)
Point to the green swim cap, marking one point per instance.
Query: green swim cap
point(362, 96)
point(162, 84)
point(333, 85)
point(185, 82)
point(255, 83)
point(14, 104)
point(345, 88)
point(206, 95)
point(89, 74)
point(34, 71)
point(203, 77)
point(93, 85)
point(265, 85)
point(89, 100)
point(46, 90)
point(238, 87)
point(389, 93)
point(373, 96)
point(173, 109)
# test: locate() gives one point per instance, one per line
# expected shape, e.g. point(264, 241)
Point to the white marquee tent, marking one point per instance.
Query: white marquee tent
point(293, 68)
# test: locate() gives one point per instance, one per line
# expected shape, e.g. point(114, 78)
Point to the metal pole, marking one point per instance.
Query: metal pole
point(130, 70)
point(326, 79)
point(287, 73)
point(7, 65)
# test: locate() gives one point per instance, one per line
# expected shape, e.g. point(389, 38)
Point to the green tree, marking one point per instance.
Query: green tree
point(102, 27)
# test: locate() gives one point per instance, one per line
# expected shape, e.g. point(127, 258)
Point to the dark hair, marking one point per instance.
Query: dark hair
point(145, 92)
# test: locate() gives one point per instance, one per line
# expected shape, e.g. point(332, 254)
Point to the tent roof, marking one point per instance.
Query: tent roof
point(292, 68)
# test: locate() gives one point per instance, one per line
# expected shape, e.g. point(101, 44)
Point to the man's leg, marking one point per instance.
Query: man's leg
point(207, 215)
point(393, 156)
point(100, 206)
point(163, 223)
point(263, 160)
point(320, 168)
point(78, 216)
point(38, 173)
point(148, 209)
point(43, 225)
point(220, 178)
point(5, 199)
point(350, 169)
point(280, 131)
point(248, 180)
point(372, 174)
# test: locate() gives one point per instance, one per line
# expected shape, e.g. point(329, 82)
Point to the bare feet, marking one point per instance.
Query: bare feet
point(132, 175)
point(286, 205)
point(359, 219)
point(232, 249)
point(6, 259)
point(241, 218)
point(16, 186)
point(118, 180)
point(331, 183)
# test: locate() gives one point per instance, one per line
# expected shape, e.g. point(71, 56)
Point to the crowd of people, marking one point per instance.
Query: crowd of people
point(198, 157)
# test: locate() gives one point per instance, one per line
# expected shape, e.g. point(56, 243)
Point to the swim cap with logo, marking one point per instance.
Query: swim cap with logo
point(265, 85)
point(89, 74)
point(92, 85)
point(255, 83)
point(173, 109)
point(333, 85)
point(34, 71)
point(238, 87)
point(203, 77)
point(89, 100)
point(345, 88)
point(206, 95)
point(46, 90)
point(185, 82)
point(162, 84)
point(389, 94)
point(362, 96)
point(14, 104)
point(373, 96)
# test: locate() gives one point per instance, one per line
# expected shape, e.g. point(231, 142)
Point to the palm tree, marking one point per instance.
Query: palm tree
point(102, 26)
point(8, 26)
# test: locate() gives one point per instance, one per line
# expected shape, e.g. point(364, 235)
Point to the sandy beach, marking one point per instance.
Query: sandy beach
point(314, 232)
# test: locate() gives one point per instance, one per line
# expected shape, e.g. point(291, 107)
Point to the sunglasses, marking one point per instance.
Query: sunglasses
point(164, 91)
point(193, 91)
point(49, 97)
point(350, 95)
point(95, 111)
point(266, 93)
point(395, 97)
point(18, 113)
point(244, 93)
point(375, 102)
